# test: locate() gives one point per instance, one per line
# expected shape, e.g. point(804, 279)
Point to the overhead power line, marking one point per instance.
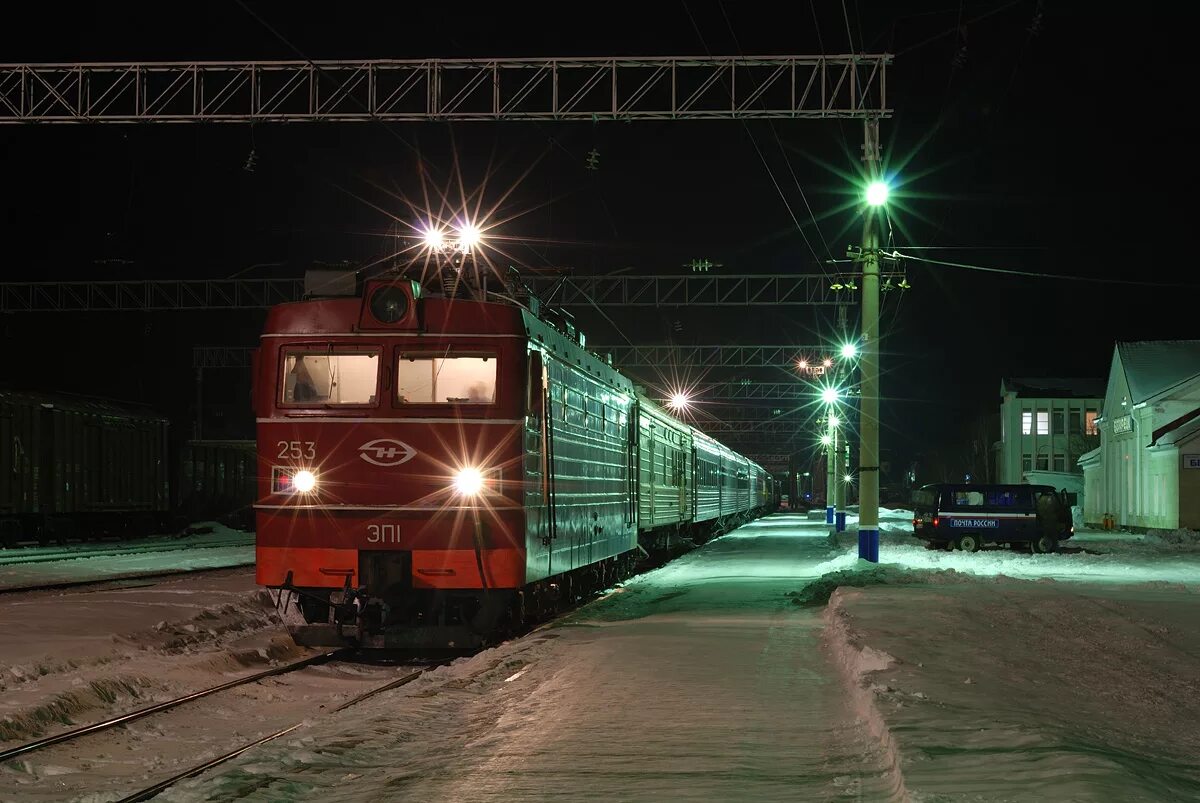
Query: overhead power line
point(1038, 275)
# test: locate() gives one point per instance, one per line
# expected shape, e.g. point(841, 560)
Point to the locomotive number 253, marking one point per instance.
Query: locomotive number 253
point(297, 450)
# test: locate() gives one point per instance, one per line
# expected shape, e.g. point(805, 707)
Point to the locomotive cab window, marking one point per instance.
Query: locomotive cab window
point(434, 379)
point(330, 377)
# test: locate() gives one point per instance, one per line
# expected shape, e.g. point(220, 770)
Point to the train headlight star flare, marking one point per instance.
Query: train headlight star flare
point(304, 481)
point(434, 238)
point(468, 481)
point(469, 236)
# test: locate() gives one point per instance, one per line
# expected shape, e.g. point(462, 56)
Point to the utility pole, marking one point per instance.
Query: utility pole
point(868, 462)
point(831, 462)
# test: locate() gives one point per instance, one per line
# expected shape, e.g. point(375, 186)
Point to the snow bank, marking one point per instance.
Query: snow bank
point(1009, 690)
point(820, 590)
point(118, 648)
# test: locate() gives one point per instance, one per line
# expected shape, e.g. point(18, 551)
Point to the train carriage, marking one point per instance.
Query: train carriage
point(437, 471)
point(664, 472)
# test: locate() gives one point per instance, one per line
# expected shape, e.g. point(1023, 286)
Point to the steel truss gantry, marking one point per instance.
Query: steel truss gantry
point(226, 294)
point(601, 88)
point(717, 356)
point(764, 289)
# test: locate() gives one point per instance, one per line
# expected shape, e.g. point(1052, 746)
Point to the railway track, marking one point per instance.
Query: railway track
point(119, 580)
point(408, 673)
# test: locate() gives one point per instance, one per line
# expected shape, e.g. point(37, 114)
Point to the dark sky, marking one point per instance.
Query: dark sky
point(1042, 137)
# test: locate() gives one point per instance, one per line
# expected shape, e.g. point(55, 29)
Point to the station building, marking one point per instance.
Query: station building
point(1146, 472)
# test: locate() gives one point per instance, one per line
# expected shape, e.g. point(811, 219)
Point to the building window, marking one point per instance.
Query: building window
point(1026, 462)
point(1056, 422)
point(1060, 462)
point(1043, 422)
point(1043, 462)
point(1076, 422)
point(1026, 422)
point(1090, 427)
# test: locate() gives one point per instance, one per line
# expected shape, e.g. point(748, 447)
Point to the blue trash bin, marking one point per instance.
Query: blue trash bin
point(840, 518)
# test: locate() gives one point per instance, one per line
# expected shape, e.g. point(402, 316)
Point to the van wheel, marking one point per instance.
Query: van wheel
point(969, 542)
point(1044, 544)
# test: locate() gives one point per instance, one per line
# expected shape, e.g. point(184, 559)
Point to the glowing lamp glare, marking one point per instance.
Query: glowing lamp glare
point(468, 481)
point(304, 481)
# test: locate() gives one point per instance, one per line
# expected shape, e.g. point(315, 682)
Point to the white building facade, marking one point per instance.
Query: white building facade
point(1045, 425)
point(1146, 472)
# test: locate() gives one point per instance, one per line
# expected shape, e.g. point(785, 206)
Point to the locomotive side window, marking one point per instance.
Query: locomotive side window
point(329, 377)
point(430, 379)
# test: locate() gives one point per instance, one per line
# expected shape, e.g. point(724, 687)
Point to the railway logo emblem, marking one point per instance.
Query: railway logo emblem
point(386, 452)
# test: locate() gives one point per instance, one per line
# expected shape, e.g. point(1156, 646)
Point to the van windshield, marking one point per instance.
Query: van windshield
point(923, 498)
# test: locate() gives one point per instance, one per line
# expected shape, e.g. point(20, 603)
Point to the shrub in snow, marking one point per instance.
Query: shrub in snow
point(1180, 537)
point(819, 591)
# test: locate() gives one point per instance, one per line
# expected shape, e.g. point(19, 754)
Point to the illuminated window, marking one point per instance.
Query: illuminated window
point(326, 377)
point(426, 379)
point(1027, 422)
point(1043, 422)
point(1089, 427)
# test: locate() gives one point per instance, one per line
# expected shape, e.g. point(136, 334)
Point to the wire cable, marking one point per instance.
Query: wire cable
point(758, 150)
point(1037, 275)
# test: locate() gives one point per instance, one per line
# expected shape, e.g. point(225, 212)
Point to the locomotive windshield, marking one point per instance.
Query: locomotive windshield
point(433, 379)
point(330, 377)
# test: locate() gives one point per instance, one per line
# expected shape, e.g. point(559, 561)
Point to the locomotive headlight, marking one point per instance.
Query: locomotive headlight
point(468, 481)
point(304, 481)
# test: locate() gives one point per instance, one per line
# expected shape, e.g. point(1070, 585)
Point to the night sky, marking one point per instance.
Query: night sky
point(1037, 137)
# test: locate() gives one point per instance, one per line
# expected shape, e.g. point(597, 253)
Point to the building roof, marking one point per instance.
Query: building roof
point(1054, 387)
point(1178, 431)
point(1153, 367)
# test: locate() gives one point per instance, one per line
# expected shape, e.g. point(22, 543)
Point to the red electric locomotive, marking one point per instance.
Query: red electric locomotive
point(437, 471)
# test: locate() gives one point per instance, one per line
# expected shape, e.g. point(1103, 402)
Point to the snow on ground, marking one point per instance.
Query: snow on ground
point(1009, 690)
point(32, 566)
point(725, 675)
point(76, 657)
point(66, 653)
point(697, 681)
point(716, 677)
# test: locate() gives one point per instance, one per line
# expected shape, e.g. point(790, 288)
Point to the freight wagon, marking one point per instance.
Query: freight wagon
point(78, 467)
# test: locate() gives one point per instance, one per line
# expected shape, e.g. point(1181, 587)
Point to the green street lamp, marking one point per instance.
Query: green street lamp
point(830, 395)
point(849, 351)
point(877, 193)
